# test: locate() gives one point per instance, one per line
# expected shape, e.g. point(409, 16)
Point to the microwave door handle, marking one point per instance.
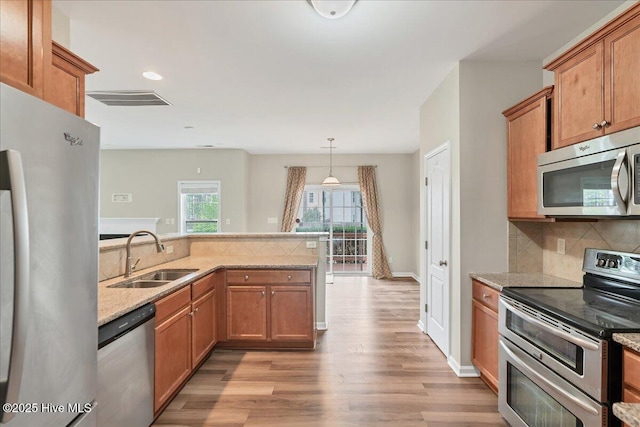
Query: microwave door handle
point(621, 199)
point(584, 403)
point(12, 180)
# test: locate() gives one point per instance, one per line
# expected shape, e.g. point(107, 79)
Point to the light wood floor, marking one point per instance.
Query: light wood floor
point(373, 367)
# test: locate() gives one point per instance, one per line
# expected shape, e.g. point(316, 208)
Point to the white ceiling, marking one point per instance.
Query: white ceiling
point(275, 77)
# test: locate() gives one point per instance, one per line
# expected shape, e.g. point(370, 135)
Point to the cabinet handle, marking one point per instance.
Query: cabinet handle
point(597, 126)
point(441, 263)
point(605, 124)
point(246, 277)
point(288, 277)
point(273, 293)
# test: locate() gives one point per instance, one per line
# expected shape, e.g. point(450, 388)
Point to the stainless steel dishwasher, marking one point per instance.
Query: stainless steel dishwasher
point(125, 369)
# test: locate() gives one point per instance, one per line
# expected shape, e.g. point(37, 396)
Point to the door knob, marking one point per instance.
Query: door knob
point(443, 263)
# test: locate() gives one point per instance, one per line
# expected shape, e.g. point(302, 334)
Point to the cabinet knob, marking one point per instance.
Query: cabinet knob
point(191, 313)
point(288, 277)
point(441, 263)
point(246, 277)
point(597, 126)
point(605, 124)
point(196, 310)
point(263, 293)
point(485, 296)
point(273, 293)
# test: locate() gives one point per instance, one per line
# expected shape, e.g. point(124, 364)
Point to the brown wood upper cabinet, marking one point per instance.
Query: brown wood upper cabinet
point(65, 87)
point(484, 345)
point(25, 44)
point(597, 84)
point(528, 134)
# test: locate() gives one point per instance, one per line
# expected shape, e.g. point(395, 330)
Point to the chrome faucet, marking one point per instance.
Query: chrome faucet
point(128, 269)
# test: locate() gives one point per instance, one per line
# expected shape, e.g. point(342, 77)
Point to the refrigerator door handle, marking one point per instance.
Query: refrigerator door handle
point(12, 180)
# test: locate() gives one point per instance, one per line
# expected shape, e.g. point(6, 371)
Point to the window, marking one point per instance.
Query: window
point(199, 206)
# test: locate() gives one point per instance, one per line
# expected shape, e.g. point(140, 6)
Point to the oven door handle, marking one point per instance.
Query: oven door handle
point(620, 196)
point(562, 334)
point(584, 403)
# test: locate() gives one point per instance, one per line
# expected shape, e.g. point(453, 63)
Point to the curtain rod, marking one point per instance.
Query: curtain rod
point(335, 166)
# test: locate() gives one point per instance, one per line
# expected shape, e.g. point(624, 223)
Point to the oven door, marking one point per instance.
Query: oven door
point(577, 357)
point(593, 185)
point(531, 395)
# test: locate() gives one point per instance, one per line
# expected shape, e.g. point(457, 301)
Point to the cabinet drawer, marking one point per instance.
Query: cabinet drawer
point(172, 303)
point(631, 366)
point(202, 286)
point(631, 396)
point(486, 295)
point(268, 276)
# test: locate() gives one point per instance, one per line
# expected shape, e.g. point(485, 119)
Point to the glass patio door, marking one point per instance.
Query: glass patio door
point(339, 212)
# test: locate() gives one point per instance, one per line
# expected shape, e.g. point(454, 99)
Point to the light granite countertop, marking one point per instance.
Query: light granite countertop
point(115, 302)
point(628, 412)
point(628, 340)
point(523, 280)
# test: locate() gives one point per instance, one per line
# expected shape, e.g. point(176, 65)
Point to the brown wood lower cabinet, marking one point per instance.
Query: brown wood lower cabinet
point(631, 376)
point(185, 334)
point(270, 308)
point(484, 346)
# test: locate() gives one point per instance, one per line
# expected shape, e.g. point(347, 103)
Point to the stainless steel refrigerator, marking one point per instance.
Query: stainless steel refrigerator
point(49, 263)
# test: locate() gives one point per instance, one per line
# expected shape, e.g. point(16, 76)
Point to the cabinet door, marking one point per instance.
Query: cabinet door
point(204, 327)
point(579, 97)
point(485, 343)
point(25, 44)
point(247, 313)
point(526, 138)
point(291, 313)
point(173, 355)
point(622, 76)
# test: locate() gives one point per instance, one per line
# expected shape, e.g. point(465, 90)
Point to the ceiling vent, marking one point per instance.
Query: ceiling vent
point(128, 98)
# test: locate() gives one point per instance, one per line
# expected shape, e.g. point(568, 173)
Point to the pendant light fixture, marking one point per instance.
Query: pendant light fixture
point(332, 9)
point(330, 181)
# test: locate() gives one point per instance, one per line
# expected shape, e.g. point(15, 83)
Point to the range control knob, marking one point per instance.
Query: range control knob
point(602, 262)
point(612, 263)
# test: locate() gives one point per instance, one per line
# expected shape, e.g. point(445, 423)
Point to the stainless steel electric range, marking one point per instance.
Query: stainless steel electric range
point(558, 364)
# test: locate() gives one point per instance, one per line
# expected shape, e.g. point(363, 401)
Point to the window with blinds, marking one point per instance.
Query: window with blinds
point(199, 206)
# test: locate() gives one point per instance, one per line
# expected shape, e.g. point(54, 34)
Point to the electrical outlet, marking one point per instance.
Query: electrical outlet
point(167, 221)
point(170, 249)
point(227, 221)
point(272, 220)
point(561, 246)
point(390, 260)
point(312, 245)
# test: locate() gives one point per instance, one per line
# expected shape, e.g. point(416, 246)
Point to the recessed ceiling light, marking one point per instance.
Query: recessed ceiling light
point(206, 146)
point(151, 75)
point(189, 127)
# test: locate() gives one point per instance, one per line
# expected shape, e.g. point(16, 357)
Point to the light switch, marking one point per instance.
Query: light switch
point(227, 221)
point(312, 245)
point(272, 220)
point(173, 221)
point(167, 221)
point(170, 249)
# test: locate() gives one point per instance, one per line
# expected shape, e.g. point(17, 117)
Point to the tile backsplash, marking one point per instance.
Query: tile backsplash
point(534, 246)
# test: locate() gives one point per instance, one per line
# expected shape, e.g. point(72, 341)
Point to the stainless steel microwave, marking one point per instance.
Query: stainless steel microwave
point(596, 178)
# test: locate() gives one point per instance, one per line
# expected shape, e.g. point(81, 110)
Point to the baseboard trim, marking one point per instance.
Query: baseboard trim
point(322, 326)
point(406, 274)
point(422, 327)
point(462, 371)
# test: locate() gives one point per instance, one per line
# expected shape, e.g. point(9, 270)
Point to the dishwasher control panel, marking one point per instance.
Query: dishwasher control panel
point(116, 328)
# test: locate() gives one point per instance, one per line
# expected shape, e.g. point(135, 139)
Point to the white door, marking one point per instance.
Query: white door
point(437, 172)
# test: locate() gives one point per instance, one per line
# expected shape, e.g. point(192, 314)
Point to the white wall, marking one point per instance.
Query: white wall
point(466, 110)
point(152, 177)
point(268, 182)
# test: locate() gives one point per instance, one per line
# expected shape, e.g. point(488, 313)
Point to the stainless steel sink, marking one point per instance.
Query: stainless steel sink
point(166, 275)
point(154, 279)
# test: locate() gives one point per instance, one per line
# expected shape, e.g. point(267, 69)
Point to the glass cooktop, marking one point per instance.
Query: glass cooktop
point(592, 310)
